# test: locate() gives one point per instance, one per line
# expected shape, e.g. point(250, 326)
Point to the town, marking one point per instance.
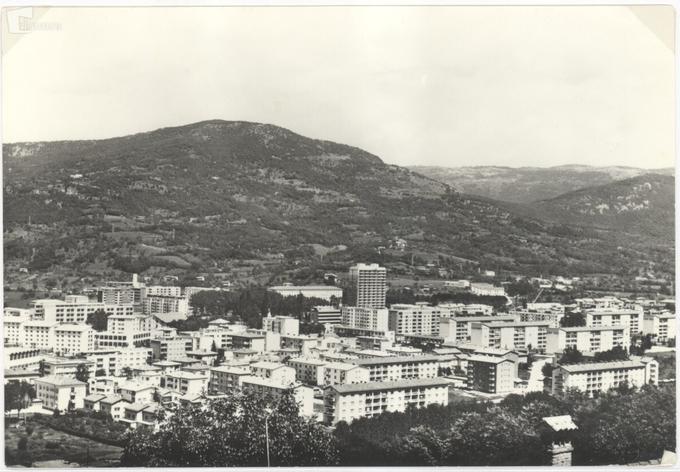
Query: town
point(116, 351)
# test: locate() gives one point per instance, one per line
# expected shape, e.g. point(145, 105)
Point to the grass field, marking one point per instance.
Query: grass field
point(46, 444)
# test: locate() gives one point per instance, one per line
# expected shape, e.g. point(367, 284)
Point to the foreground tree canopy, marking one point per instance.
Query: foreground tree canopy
point(230, 431)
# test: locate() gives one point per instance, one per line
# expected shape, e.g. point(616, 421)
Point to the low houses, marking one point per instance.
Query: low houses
point(112, 405)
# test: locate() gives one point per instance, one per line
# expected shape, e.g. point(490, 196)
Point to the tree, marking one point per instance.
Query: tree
point(126, 372)
point(547, 369)
point(573, 319)
point(98, 320)
point(18, 395)
point(617, 353)
point(230, 431)
point(82, 373)
point(571, 355)
point(100, 373)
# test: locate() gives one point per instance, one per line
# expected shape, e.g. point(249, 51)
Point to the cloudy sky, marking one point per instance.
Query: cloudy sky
point(513, 86)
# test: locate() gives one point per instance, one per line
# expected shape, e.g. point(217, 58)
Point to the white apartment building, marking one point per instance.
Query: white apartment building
point(385, 369)
point(594, 378)
point(347, 402)
point(74, 309)
point(283, 325)
point(587, 338)
point(370, 281)
point(465, 309)
point(11, 325)
point(60, 393)
point(459, 328)
point(610, 303)
point(324, 292)
point(38, 334)
point(163, 291)
point(338, 373)
point(326, 314)
point(279, 373)
point(225, 379)
point(484, 289)
point(515, 335)
point(304, 396)
point(414, 319)
point(113, 361)
point(490, 374)
point(65, 366)
point(185, 383)
point(158, 304)
point(615, 317)
point(73, 338)
point(661, 325)
point(375, 319)
point(308, 370)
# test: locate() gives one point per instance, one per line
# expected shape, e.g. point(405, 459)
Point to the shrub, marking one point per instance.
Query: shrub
point(23, 442)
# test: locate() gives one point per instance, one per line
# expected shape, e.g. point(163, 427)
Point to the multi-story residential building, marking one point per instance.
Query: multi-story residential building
point(38, 334)
point(65, 366)
point(515, 335)
point(594, 378)
point(384, 369)
point(60, 392)
point(347, 402)
point(275, 371)
point(551, 312)
point(342, 330)
point(117, 295)
point(249, 340)
point(610, 303)
point(324, 292)
point(170, 348)
point(414, 319)
point(113, 405)
point(611, 317)
point(136, 392)
point(308, 370)
point(304, 396)
point(378, 343)
point(107, 340)
point(375, 319)
point(459, 328)
point(225, 379)
point(114, 361)
point(490, 374)
point(587, 338)
point(484, 289)
point(465, 309)
point(74, 309)
point(370, 285)
point(283, 325)
point(22, 358)
point(158, 304)
point(73, 338)
point(12, 325)
point(661, 325)
point(326, 314)
point(185, 383)
point(301, 343)
point(163, 291)
point(336, 373)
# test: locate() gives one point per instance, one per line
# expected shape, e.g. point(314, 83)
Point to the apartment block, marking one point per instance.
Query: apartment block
point(347, 402)
point(326, 314)
point(74, 309)
point(22, 358)
point(661, 325)
point(385, 369)
point(225, 379)
point(459, 328)
point(60, 392)
point(338, 373)
point(73, 338)
point(308, 370)
point(170, 348)
point(375, 319)
point(304, 396)
point(490, 374)
point(370, 284)
point(279, 373)
point(414, 319)
point(595, 378)
point(324, 292)
point(515, 335)
point(587, 338)
point(283, 325)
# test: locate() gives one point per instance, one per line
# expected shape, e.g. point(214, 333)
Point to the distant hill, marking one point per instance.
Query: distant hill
point(645, 203)
point(528, 184)
point(217, 193)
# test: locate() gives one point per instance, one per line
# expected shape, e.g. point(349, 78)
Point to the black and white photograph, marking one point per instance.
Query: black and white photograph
point(326, 235)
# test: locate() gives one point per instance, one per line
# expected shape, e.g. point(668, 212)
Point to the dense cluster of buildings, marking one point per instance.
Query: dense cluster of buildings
point(370, 359)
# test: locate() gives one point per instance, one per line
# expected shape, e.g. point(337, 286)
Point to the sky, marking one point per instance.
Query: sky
point(447, 86)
